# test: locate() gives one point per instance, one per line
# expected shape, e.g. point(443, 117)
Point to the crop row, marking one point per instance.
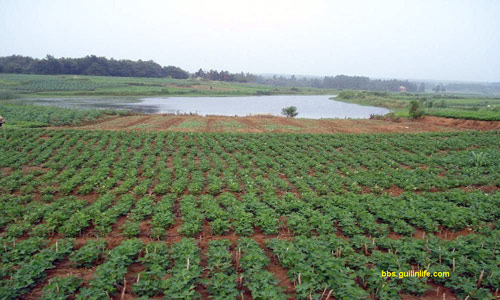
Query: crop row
point(350, 206)
point(318, 267)
point(189, 168)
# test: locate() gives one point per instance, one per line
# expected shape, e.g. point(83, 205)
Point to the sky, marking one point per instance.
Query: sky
point(411, 39)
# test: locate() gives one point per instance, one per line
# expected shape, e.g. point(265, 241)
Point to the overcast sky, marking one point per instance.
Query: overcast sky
point(416, 39)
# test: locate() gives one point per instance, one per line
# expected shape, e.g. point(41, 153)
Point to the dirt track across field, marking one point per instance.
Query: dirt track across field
point(255, 124)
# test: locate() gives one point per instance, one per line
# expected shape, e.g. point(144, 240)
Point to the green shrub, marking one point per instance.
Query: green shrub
point(290, 111)
point(414, 110)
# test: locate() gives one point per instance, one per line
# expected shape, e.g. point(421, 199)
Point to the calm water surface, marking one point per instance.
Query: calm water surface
point(313, 107)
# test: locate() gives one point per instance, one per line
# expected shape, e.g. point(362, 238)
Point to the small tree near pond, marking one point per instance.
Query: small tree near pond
point(290, 111)
point(414, 110)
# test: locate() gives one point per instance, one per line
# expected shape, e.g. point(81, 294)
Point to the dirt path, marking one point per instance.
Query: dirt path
point(173, 121)
point(143, 120)
point(210, 125)
point(252, 126)
point(290, 122)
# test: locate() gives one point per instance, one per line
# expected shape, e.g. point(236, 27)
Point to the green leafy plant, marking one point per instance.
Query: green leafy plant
point(61, 288)
point(88, 254)
point(414, 111)
point(290, 111)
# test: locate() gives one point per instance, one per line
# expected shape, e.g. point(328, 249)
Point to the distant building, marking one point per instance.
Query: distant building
point(402, 89)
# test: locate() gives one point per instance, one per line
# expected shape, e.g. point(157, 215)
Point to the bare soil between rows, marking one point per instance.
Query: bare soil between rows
point(259, 124)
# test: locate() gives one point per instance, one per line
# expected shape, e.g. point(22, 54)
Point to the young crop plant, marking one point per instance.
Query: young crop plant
point(81, 219)
point(265, 217)
point(41, 230)
point(197, 183)
point(164, 182)
point(108, 275)
point(61, 211)
point(261, 283)
point(232, 182)
point(143, 209)
point(192, 216)
point(215, 185)
point(61, 288)
point(318, 265)
point(131, 228)
point(69, 185)
point(163, 217)
point(89, 253)
point(222, 281)
point(156, 254)
point(127, 184)
point(104, 220)
point(219, 218)
point(26, 276)
point(15, 252)
point(186, 270)
point(156, 260)
point(15, 230)
point(143, 187)
point(298, 224)
point(179, 185)
point(241, 220)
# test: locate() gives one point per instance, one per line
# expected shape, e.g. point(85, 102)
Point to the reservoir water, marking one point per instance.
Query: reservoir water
point(308, 106)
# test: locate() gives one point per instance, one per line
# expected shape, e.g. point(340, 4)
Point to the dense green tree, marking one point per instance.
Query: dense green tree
point(96, 69)
point(174, 72)
point(88, 65)
point(289, 112)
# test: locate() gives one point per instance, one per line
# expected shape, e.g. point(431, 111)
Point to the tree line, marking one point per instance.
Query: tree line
point(101, 66)
point(343, 82)
point(327, 82)
point(88, 65)
point(225, 76)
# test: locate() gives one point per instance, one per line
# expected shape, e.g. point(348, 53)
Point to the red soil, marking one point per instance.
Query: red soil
point(280, 124)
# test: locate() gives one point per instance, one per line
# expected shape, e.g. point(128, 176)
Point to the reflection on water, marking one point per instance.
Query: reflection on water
point(314, 107)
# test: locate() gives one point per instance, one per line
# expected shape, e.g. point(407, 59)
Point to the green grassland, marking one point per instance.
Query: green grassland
point(76, 85)
point(220, 215)
point(451, 106)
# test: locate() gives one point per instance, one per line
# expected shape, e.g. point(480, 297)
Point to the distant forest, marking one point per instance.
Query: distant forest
point(88, 65)
point(101, 66)
point(343, 82)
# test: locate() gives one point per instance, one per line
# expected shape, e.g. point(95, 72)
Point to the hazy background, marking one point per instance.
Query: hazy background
point(455, 40)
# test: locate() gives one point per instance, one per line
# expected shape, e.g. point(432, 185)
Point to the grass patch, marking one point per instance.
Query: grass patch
point(482, 115)
point(272, 127)
point(191, 124)
point(231, 124)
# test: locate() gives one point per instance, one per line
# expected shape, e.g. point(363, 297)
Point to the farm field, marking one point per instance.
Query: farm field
point(31, 116)
point(23, 85)
point(90, 214)
point(456, 106)
point(267, 124)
